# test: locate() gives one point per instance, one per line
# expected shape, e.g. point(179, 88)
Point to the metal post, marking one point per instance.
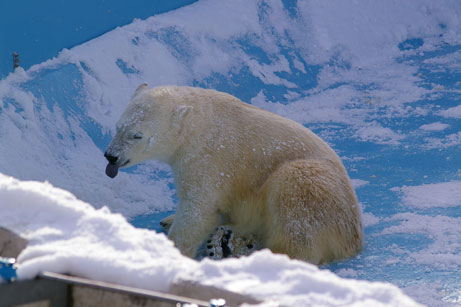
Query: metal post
point(16, 60)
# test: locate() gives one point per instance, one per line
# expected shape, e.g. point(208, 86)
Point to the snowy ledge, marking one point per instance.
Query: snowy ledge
point(69, 236)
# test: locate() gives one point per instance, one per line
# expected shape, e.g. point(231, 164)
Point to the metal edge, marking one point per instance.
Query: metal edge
point(79, 281)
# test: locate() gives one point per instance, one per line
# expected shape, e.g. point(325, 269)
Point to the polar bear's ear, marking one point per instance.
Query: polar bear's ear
point(139, 89)
point(179, 114)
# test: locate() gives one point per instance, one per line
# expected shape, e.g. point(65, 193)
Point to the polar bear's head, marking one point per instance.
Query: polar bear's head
point(149, 128)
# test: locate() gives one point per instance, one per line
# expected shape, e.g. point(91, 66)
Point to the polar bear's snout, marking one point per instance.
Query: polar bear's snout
point(112, 166)
point(112, 159)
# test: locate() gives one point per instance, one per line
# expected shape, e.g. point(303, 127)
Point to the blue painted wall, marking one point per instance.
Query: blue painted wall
point(38, 30)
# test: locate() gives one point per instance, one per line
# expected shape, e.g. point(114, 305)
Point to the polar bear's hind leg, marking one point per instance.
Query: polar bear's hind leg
point(308, 217)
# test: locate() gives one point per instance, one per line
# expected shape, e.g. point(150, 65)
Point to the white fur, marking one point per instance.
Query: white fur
point(264, 174)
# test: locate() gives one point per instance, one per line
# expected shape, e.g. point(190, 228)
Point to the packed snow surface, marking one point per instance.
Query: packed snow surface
point(378, 80)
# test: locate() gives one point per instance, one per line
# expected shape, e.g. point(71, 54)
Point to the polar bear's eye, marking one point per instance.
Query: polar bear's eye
point(137, 136)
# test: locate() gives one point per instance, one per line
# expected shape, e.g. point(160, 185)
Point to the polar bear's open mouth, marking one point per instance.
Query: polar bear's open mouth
point(111, 170)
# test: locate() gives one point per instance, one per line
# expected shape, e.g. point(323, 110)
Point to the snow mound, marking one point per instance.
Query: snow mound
point(69, 236)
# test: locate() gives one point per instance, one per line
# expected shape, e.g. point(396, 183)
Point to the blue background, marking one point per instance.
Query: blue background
point(38, 30)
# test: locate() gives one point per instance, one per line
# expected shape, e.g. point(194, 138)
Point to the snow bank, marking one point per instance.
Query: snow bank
point(67, 235)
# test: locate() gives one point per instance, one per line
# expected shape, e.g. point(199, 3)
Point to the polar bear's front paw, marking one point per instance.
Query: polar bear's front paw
point(216, 248)
point(243, 246)
point(224, 243)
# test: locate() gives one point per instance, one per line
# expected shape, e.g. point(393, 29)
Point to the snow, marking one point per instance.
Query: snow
point(445, 194)
point(69, 236)
point(452, 112)
point(379, 81)
point(357, 183)
point(445, 241)
point(434, 126)
point(369, 219)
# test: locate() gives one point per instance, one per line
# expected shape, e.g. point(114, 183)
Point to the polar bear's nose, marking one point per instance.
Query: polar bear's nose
point(110, 158)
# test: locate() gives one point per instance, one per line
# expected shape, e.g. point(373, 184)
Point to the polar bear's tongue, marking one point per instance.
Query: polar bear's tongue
point(111, 170)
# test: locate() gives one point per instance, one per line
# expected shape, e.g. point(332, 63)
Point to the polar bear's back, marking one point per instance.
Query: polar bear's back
point(241, 140)
point(245, 125)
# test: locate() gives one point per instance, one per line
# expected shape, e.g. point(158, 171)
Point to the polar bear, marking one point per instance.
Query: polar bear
point(236, 164)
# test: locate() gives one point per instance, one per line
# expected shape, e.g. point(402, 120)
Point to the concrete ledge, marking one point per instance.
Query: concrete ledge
point(202, 292)
point(89, 293)
point(51, 289)
point(10, 243)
